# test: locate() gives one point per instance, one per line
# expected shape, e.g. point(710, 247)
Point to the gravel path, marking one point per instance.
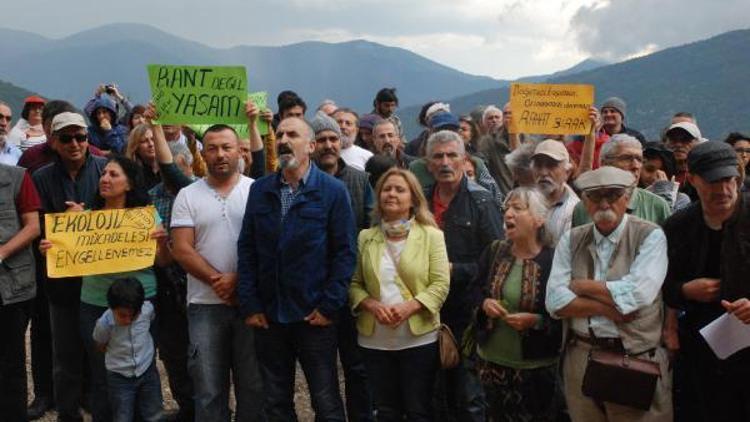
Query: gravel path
point(301, 397)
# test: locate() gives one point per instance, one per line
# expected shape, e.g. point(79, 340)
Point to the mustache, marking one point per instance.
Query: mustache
point(445, 169)
point(283, 149)
point(604, 216)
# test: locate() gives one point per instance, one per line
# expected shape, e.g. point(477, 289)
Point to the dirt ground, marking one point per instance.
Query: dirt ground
point(301, 396)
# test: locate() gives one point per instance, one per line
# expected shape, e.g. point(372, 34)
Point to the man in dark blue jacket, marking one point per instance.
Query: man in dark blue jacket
point(296, 256)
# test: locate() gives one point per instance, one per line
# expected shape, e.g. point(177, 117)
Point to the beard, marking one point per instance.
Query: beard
point(346, 141)
point(547, 186)
point(288, 161)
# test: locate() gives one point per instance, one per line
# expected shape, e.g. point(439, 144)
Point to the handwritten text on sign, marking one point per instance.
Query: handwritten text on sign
point(551, 109)
point(100, 242)
point(198, 94)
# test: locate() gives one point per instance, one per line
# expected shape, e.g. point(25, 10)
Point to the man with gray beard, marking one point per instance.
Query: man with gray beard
point(551, 167)
point(353, 155)
point(605, 284)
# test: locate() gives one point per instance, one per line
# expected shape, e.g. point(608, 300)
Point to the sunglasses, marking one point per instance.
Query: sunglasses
point(609, 195)
point(79, 137)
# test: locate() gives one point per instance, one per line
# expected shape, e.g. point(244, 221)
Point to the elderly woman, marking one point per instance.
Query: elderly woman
point(517, 342)
point(400, 283)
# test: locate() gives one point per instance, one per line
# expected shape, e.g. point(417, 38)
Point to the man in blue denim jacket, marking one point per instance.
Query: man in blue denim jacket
point(296, 257)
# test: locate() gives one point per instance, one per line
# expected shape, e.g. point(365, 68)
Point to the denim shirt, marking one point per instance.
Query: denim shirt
point(130, 348)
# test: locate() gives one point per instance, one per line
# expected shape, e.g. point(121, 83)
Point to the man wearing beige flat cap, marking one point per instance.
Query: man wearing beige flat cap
point(605, 284)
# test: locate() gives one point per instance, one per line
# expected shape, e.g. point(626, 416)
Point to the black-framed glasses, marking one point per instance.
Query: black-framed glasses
point(739, 150)
point(609, 195)
point(67, 138)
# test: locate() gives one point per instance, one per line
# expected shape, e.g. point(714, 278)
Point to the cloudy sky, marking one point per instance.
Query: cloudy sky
point(500, 38)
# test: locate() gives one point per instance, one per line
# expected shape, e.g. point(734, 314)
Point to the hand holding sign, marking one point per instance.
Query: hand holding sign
point(551, 109)
point(198, 94)
point(99, 242)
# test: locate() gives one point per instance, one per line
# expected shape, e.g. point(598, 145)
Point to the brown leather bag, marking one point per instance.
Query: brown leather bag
point(449, 355)
point(616, 377)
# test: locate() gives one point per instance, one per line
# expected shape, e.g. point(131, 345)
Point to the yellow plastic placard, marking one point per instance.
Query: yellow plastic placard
point(551, 109)
point(100, 242)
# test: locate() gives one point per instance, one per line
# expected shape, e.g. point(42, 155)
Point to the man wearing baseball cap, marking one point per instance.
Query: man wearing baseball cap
point(551, 167)
point(709, 263)
point(680, 138)
point(605, 284)
point(72, 178)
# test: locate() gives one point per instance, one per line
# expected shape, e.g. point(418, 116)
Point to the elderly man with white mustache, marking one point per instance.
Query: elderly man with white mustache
point(551, 168)
point(605, 284)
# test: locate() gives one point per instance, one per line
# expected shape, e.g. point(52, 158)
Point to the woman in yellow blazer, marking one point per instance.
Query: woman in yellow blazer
point(400, 283)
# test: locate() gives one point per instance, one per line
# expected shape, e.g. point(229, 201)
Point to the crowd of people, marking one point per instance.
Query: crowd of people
point(574, 272)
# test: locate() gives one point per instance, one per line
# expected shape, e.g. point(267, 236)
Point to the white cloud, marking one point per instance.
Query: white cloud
point(500, 38)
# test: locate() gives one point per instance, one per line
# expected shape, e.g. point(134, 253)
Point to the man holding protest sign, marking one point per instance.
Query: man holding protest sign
point(72, 178)
point(206, 221)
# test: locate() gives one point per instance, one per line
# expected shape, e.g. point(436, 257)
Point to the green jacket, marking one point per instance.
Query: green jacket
point(643, 204)
point(423, 266)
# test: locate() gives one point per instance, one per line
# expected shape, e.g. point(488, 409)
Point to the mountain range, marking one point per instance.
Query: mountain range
point(708, 78)
point(349, 72)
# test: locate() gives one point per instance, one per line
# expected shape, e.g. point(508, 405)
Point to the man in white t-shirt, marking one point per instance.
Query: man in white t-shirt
point(206, 222)
point(353, 155)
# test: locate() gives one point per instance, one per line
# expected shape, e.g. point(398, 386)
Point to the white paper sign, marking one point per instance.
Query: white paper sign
point(726, 335)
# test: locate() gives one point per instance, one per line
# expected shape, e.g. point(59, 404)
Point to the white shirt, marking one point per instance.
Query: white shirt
point(9, 154)
point(385, 337)
point(217, 222)
point(355, 156)
point(561, 215)
point(635, 290)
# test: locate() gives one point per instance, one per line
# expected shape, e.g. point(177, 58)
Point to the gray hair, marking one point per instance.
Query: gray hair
point(519, 160)
point(612, 147)
point(537, 203)
point(181, 150)
point(490, 108)
point(384, 122)
point(326, 102)
point(444, 137)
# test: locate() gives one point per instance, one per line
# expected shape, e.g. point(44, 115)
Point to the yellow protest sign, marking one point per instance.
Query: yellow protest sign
point(551, 109)
point(100, 242)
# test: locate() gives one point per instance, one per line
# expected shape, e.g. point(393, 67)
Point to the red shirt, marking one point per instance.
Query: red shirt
point(438, 208)
point(28, 198)
point(575, 149)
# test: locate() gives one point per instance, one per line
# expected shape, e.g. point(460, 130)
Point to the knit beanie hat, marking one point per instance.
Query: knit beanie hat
point(616, 103)
point(322, 122)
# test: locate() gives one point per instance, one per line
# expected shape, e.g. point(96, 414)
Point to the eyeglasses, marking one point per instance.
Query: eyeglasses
point(626, 158)
point(516, 207)
point(609, 195)
point(739, 150)
point(66, 139)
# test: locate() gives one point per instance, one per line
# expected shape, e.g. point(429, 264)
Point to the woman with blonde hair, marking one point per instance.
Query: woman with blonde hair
point(399, 285)
point(141, 149)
